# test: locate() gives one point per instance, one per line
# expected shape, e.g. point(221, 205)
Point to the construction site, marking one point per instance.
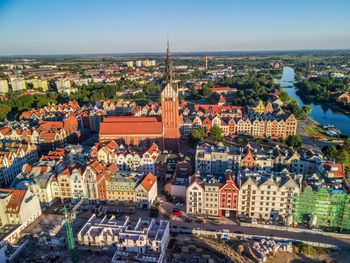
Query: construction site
point(207, 249)
point(322, 208)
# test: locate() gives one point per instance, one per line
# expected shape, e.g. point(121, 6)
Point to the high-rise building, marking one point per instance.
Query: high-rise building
point(138, 63)
point(4, 87)
point(18, 85)
point(130, 64)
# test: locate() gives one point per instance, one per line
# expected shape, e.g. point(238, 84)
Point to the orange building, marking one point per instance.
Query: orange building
point(147, 130)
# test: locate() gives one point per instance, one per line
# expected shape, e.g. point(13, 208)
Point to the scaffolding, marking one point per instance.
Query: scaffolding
point(330, 208)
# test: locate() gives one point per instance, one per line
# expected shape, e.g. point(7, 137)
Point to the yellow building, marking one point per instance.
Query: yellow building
point(260, 108)
point(4, 86)
point(120, 188)
point(38, 83)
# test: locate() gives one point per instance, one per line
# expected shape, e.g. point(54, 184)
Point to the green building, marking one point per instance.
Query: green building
point(325, 207)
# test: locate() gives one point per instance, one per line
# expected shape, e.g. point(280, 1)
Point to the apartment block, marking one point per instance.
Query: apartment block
point(268, 195)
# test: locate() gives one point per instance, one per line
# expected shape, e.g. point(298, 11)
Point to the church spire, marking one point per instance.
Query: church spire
point(168, 49)
point(169, 68)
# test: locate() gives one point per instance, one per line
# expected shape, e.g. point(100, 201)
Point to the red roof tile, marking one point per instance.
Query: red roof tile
point(131, 126)
point(149, 181)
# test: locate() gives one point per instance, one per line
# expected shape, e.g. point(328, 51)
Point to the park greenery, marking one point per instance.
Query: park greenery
point(16, 103)
point(250, 87)
point(216, 132)
point(100, 91)
point(293, 141)
point(321, 89)
point(203, 93)
point(197, 135)
point(339, 153)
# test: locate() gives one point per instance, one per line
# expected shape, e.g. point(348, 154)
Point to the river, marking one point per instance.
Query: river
point(321, 114)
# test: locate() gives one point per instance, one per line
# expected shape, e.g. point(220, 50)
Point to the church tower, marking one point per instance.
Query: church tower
point(170, 108)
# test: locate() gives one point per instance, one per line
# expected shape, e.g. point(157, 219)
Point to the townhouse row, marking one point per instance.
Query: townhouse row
point(216, 159)
point(13, 156)
point(94, 182)
point(127, 158)
point(254, 125)
point(268, 196)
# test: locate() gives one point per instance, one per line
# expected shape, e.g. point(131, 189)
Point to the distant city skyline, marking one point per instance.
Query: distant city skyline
point(39, 27)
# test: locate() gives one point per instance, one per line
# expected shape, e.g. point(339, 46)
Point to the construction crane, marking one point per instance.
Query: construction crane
point(70, 237)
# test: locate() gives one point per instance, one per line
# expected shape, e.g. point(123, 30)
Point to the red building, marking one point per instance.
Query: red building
point(228, 197)
point(105, 174)
point(207, 124)
point(248, 160)
point(147, 130)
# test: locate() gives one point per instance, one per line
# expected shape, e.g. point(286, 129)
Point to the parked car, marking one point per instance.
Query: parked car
point(179, 204)
point(177, 213)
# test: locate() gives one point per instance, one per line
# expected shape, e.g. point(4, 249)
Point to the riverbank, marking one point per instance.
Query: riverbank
point(337, 108)
point(323, 115)
point(329, 105)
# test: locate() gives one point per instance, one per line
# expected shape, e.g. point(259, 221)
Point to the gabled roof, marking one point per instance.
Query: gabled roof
point(131, 126)
point(149, 181)
point(15, 200)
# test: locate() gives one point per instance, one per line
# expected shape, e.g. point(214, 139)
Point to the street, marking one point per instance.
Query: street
point(219, 223)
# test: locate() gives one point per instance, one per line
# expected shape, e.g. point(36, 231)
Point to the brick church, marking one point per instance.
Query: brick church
point(163, 131)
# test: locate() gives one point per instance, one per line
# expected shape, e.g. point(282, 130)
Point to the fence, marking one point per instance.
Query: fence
point(297, 230)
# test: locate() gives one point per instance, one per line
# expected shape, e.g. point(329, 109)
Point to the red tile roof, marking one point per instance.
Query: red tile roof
point(131, 126)
point(15, 201)
point(338, 169)
point(149, 181)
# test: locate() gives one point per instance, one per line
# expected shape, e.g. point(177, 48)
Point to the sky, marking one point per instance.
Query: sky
point(42, 27)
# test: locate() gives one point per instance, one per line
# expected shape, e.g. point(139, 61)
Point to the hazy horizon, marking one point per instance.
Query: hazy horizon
point(177, 53)
point(39, 27)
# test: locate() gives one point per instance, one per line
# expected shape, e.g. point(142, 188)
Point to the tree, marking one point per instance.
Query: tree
point(206, 91)
point(216, 132)
point(307, 109)
point(343, 157)
point(347, 144)
point(197, 135)
point(330, 151)
point(293, 141)
point(4, 110)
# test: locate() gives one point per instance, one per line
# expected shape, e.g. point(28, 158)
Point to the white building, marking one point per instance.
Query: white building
point(18, 85)
point(64, 86)
point(141, 241)
point(18, 207)
point(138, 63)
point(195, 197)
point(268, 196)
point(146, 191)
